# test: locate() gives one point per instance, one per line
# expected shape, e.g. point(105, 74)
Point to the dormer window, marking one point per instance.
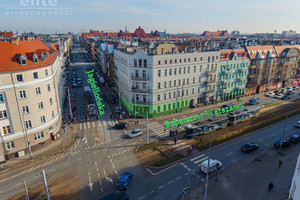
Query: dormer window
point(35, 58)
point(42, 57)
point(46, 54)
point(23, 60)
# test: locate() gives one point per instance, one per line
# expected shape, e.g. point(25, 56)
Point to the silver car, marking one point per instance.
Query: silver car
point(135, 133)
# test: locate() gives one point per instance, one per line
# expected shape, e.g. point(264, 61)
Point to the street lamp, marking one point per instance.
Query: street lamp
point(28, 143)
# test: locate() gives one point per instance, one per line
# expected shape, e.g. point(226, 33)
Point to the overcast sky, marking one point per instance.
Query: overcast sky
point(194, 16)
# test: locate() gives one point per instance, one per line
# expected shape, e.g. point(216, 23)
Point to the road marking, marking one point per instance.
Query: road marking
point(161, 187)
point(88, 125)
point(80, 126)
point(151, 192)
point(90, 182)
point(141, 197)
point(98, 175)
point(273, 134)
point(178, 177)
point(116, 172)
point(50, 170)
point(161, 170)
point(101, 189)
point(229, 154)
point(170, 182)
point(186, 173)
point(97, 169)
point(202, 159)
point(195, 158)
point(260, 140)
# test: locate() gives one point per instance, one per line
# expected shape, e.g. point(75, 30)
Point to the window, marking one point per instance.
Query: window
point(194, 80)
point(170, 83)
point(213, 59)
point(165, 84)
point(22, 94)
point(43, 119)
point(6, 130)
point(187, 91)
point(165, 96)
point(194, 69)
point(166, 61)
point(188, 70)
point(144, 86)
point(20, 78)
point(208, 59)
point(135, 62)
point(174, 83)
point(3, 114)
point(144, 73)
point(183, 81)
point(10, 145)
point(170, 72)
point(184, 60)
point(170, 96)
point(166, 72)
point(41, 105)
point(25, 109)
point(52, 114)
point(140, 63)
point(199, 79)
point(193, 91)
point(179, 71)
point(46, 72)
point(195, 59)
point(50, 101)
point(136, 73)
point(159, 73)
point(39, 136)
point(159, 62)
point(38, 91)
point(175, 60)
point(174, 94)
point(170, 61)
point(35, 75)
point(158, 85)
point(184, 70)
point(188, 81)
point(175, 71)
point(145, 63)
point(49, 87)
point(189, 59)
point(28, 124)
point(201, 58)
point(200, 68)
point(179, 82)
point(179, 60)
point(1, 98)
point(158, 97)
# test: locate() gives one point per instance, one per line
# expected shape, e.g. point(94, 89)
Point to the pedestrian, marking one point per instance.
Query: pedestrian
point(201, 140)
point(170, 133)
point(270, 187)
point(175, 132)
point(110, 116)
point(175, 140)
point(279, 163)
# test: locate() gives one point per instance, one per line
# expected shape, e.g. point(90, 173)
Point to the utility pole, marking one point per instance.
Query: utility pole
point(70, 107)
point(207, 171)
point(26, 191)
point(182, 97)
point(120, 102)
point(45, 185)
point(28, 142)
point(177, 99)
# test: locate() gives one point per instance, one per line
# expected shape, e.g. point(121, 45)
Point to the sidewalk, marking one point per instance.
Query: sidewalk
point(249, 179)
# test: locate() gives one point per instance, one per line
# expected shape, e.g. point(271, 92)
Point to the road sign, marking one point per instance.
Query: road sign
point(62, 133)
point(281, 139)
point(180, 146)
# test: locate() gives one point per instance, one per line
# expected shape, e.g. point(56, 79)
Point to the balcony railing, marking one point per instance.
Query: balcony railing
point(208, 72)
point(139, 90)
point(210, 81)
point(136, 78)
point(209, 92)
point(139, 101)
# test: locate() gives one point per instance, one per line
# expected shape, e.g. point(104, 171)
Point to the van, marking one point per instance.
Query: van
point(214, 165)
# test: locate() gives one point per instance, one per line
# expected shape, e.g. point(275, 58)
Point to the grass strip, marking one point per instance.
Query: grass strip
point(167, 160)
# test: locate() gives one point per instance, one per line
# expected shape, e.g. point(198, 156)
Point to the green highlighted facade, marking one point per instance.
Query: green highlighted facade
point(155, 110)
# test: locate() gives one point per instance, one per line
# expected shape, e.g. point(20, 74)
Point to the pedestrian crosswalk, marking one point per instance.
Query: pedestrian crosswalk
point(199, 159)
point(157, 129)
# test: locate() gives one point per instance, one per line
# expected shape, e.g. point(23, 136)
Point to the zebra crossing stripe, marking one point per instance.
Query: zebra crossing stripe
point(195, 158)
point(80, 126)
point(88, 125)
point(198, 161)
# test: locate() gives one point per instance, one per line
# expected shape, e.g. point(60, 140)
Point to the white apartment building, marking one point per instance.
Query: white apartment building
point(165, 80)
point(29, 95)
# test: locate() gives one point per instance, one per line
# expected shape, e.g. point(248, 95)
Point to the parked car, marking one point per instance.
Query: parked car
point(290, 93)
point(295, 87)
point(276, 92)
point(249, 147)
point(214, 165)
point(270, 94)
point(124, 180)
point(289, 89)
point(294, 138)
point(117, 109)
point(284, 144)
point(227, 105)
point(135, 133)
point(279, 96)
point(298, 124)
point(285, 97)
point(283, 90)
point(121, 126)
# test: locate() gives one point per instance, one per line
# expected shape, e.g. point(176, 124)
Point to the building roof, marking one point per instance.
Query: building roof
point(10, 54)
point(5, 34)
point(262, 50)
point(227, 54)
point(280, 49)
point(215, 34)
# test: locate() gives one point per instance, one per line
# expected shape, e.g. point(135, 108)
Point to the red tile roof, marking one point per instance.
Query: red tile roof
point(5, 34)
point(10, 53)
point(227, 54)
point(215, 34)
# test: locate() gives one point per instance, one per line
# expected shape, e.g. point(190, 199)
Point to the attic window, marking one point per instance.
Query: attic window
point(35, 60)
point(23, 60)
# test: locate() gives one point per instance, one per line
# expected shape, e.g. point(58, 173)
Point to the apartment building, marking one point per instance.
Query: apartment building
point(29, 95)
point(162, 80)
point(233, 72)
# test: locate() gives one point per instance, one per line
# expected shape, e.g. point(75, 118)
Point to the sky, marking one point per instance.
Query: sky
point(176, 16)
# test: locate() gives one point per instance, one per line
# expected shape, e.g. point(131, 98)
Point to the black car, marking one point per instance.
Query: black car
point(121, 126)
point(294, 138)
point(290, 93)
point(249, 147)
point(284, 144)
point(276, 92)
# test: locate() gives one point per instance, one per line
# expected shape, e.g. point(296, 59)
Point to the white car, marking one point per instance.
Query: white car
point(214, 165)
point(295, 87)
point(283, 90)
point(289, 89)
point(135, 133)
point(270, 94)
point(279, 96)
point(298, 124)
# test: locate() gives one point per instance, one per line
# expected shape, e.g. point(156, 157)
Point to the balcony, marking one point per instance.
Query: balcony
point(209, 92)
point(251, 75)
point(140, 90)
point(139, 101)
point(226, 80)
point(252, 66)
point(207, 72)
point(140, 79)
point(210, 81)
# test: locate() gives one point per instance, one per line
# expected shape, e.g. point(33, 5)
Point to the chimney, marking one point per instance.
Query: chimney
point(14, 41)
